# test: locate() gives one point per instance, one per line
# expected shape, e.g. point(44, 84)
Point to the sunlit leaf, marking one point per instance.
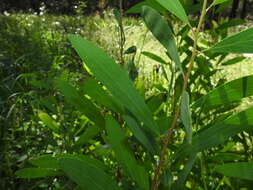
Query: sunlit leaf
point(175, 7)
point(216, 2)
point(186, 115)
point(238, 43)
point(230, 92)
point(48, 121)
point(219, 133)
point(115, 80)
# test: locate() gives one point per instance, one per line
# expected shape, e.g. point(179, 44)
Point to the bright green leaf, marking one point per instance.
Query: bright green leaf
point(227, 93)
point(115, 80)
point(175, 7)
point(216, 2)
point(48, 121)
point(186, 115)
point(238, 43)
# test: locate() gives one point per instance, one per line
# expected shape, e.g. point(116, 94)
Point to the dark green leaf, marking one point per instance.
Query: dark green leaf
point(138, 133)
point(216, 2)
point(234, 60)
point(80, 102)
point(124, 155)
point(154, 57)
point(86, 175)
point(242, 170)
point(161, 30)
point(46, 161)
point(115, 79)
point(32, 173)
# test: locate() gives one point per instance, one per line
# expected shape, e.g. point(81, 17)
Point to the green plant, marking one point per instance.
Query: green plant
point(174, 140)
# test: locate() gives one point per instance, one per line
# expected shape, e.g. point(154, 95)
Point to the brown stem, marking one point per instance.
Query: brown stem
point(167, 138)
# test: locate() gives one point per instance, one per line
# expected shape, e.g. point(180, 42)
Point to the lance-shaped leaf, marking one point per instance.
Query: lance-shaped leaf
point(185, 172)
point(101, 96)
point(238, 43)
point(162, 32)
point(219, 133)
point(87, 175)
point(175, 7)
point(124, 155)
point(32, 173)
point(186, 116)
point(48, 121)
point(138, 133)
point(151, 3)
point(242, 170)
point(217, 2)
point(84, 105)
point(227, 93)
point(115, 80)
point(154, 57)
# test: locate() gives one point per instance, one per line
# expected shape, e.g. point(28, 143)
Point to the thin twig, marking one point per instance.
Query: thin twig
point(167, 138)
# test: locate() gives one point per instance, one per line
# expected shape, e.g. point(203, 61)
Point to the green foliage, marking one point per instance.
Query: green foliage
point(95, 131)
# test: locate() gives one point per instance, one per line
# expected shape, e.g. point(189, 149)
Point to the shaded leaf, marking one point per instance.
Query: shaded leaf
point(186, 116)
point(32, 173)
point(151, 3)
point(115, 80)
point(86, 175)
point(83, 104)
point(46, 161)
point(138, 133)
point(161, 30)
point(154, 57)
point(216, 2)
point(242, 170)
point(234, 60)
point(124, 155)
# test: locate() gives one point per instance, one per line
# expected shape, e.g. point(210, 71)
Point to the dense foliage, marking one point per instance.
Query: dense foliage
point(112, 126)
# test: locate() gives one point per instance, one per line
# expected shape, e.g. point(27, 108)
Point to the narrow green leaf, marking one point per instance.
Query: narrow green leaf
point(86, 175)
point(217, 2)
point(115, 80)
point(32, 173)
point(88, 134)
point(136, 9)
point(138, 133)
point(154, 57)
point(238, 43)
point(175, 7)
point(186, 116)
point(242, 170)
point(101, 96)
point(185, 172)
point(46, 161)
point(227, 93)
point(234, 60)
point(83, 104)
point(124, 155)
point(219, 133)
point(48, 121)
point(161, 30)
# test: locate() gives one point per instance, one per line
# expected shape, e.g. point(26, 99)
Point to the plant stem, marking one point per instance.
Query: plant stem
point(166, 140)
point(122, 34)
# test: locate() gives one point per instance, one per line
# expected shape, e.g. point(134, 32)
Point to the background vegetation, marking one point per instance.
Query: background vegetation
point(38, 116)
